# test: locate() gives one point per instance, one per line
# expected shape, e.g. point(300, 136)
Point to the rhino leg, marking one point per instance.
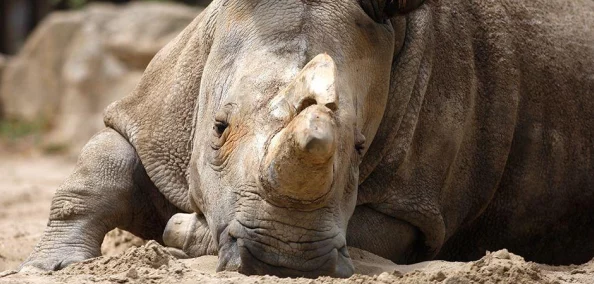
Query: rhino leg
point(383, 235)
point(187, 235)
point(109, 188)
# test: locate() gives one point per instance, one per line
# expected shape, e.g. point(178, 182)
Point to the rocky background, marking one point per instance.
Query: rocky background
point(75, 63)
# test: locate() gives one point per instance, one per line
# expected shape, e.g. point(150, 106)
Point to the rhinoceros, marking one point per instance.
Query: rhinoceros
point(276, 133)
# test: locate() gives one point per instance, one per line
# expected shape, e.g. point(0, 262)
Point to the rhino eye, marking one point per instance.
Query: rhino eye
point(219, 127)
point(359, 142)
point(221, 122)
point(359, 148)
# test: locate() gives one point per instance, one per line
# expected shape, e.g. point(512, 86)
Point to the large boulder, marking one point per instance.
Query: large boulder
point(76, 63)
point(2, 65)
point(32, 85)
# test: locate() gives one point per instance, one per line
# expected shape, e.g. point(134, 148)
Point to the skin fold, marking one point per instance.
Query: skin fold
point(275, 133)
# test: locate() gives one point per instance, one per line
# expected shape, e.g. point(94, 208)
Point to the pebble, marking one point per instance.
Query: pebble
point(132, 273)
point(502, 254)
point(118, 278)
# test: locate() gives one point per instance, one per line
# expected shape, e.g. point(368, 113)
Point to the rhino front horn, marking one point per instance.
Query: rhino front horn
point(299, 164)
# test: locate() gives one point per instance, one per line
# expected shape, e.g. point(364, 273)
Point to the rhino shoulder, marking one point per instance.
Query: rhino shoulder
point(157, 118)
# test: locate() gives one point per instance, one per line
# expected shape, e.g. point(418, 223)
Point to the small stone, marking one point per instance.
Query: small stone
point(502, 254)
point(384, 277)
point(132, 273)
point(439, 276)
point(578, 271)
point(397, 273)
point(118, 278)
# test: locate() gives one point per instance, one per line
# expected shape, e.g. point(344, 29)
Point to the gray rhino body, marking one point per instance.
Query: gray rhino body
point(461, 127)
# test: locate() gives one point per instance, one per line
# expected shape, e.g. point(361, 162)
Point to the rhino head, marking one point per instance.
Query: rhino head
point(292, 92)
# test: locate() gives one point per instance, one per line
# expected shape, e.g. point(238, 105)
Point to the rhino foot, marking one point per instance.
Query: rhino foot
point(62, 245)
point(52, 261)
point(109, 188)
point(187, 235)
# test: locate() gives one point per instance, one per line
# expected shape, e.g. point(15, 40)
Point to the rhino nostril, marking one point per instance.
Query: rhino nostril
point(332, 106)
point(305, 103)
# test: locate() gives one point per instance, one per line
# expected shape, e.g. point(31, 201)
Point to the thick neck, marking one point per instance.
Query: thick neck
point(411, 68)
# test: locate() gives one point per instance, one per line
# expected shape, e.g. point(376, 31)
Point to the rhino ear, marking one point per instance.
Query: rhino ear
point(395, 7)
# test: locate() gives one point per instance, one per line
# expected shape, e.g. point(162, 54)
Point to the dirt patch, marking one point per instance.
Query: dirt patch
point(151, 263)
point(27, 184)
point(497, 267)
point(145, 264)
point(118, 241)
point(149, 256)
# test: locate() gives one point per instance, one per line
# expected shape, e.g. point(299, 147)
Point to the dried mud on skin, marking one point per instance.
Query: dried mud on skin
point(28, 185)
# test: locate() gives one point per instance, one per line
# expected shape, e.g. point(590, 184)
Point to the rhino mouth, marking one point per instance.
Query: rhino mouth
point(253, 252)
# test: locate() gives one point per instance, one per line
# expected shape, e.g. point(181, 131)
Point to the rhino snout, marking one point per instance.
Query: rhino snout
point(251, 253)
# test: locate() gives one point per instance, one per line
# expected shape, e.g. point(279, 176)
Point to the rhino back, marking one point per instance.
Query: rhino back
point(157, 118)
point(513, 89)
point(495, 123)
point(547, 185)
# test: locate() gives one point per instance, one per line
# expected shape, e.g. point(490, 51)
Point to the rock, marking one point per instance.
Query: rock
point(30, 85)
point(132, 273)
point(147, 29)
point(501, 254)
point(76, 63)
point(3, 62)
point(438, 277)
point(118, 278)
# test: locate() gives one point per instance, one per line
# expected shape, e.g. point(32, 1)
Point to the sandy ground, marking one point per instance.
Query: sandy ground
point(27, 183)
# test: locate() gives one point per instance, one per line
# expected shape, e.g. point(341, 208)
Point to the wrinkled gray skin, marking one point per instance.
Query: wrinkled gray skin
point(461, 127)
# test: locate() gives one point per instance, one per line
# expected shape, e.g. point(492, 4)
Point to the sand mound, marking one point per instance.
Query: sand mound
point(145, 264)
point(151, 263)
point(152, 255)
point(497, 267)
point(118, 241)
